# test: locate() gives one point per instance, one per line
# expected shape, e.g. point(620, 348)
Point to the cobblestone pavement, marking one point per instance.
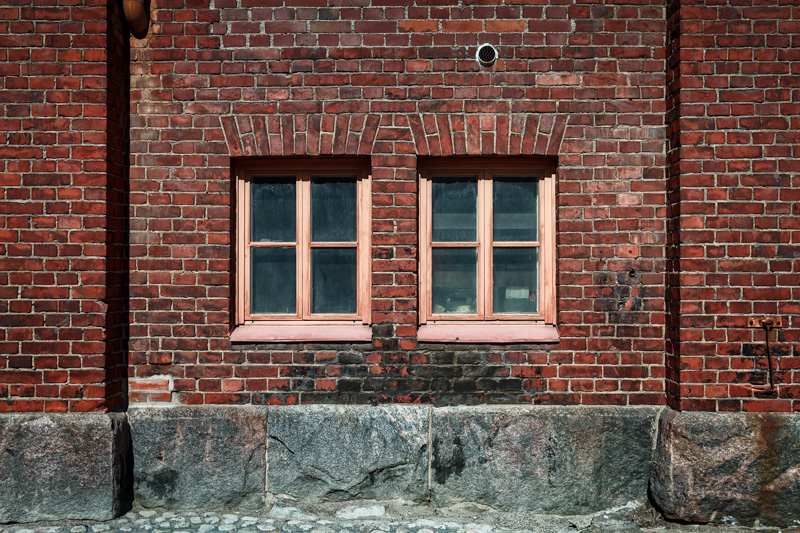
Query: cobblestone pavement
point(378, 517)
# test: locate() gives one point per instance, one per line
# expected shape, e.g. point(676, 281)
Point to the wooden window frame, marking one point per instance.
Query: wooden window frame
point(303, 325)
point(482, 326)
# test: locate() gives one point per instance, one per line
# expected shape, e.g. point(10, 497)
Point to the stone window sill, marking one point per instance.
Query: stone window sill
point(302, 333)
point(488, 333)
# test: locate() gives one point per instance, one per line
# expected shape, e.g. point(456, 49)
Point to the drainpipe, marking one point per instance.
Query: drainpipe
point(137, 16)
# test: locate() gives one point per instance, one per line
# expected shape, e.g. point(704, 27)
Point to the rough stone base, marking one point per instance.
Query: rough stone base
point(319, 453)
point(199, 457)
point(706, 467)
point(565, 460)
point(560, 460)
point(726, 467)
point(63, 466)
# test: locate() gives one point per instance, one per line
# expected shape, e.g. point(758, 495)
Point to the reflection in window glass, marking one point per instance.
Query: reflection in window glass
point(455, 280)
point(333, 280)
point(334, 210)
point(455, 209)
point(272, 281)
point(516, 280)
point(272, 209)
point(516, 209)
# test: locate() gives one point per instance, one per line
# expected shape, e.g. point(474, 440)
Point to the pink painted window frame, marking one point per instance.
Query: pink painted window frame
point(483, 326)
point(302, 325)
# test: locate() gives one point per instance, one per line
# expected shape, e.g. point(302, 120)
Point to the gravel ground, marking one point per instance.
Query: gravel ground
point(379, 517)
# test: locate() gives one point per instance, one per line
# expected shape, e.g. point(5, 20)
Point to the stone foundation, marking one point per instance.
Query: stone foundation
point(199, 457)
point(700, 467)
point(728, 467)
point(557, 460)
point(63, 466)
point(544, 459)
point(319, 453)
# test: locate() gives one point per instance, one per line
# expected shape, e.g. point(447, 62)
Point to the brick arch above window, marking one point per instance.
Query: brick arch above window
point(425, 134)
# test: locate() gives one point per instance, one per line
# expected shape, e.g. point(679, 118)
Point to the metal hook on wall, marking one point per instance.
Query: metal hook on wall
point(768, 324)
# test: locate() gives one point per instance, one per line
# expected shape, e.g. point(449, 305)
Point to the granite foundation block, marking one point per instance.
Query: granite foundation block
point(559, 460)
point(63, 466)
point(739, 468)
point(330, 453)
point(734, 468)
point(199, 457)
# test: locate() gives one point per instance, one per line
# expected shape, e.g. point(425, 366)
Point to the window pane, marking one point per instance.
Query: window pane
point(516, 280)
point(455, 209)
point(334, 210)
point(272, 281)
point(333, 280)
point(455, 280)
point(272, 209)
point(516, 209)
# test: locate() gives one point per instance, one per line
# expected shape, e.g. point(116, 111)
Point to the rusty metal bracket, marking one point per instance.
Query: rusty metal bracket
point(768, 323)
point(760, 322)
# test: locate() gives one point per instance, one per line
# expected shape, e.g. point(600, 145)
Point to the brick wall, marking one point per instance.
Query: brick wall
point(63, 103)
point(226, 79)
point(734, 189)
point(673, 124)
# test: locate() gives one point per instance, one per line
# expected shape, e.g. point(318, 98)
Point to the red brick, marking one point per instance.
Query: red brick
point(400, 88)
point(462, 26)
point(418, 25)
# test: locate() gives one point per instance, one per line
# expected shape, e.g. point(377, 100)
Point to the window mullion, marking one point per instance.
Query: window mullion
point(304, 245)
point(479, 236)
point(485, 244)
point(489, 234)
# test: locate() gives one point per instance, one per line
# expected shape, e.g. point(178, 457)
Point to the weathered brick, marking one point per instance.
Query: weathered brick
point(655, 278)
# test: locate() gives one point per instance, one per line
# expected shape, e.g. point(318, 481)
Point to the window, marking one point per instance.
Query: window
point(487, 251)
point(302, 258)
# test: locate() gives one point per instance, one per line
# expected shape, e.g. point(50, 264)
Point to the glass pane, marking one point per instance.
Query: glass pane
point(272, 209)
point(272, 281)
point(455, 209)
point(516, 280)
point(455, 280)
point(334, 280)
point(334, 210)
point(516, 209)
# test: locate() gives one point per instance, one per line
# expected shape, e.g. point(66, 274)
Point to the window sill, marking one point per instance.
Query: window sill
point(492, 333)
point(302, 333)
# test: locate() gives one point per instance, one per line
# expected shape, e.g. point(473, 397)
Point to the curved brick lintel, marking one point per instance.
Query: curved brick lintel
point(425, 134)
